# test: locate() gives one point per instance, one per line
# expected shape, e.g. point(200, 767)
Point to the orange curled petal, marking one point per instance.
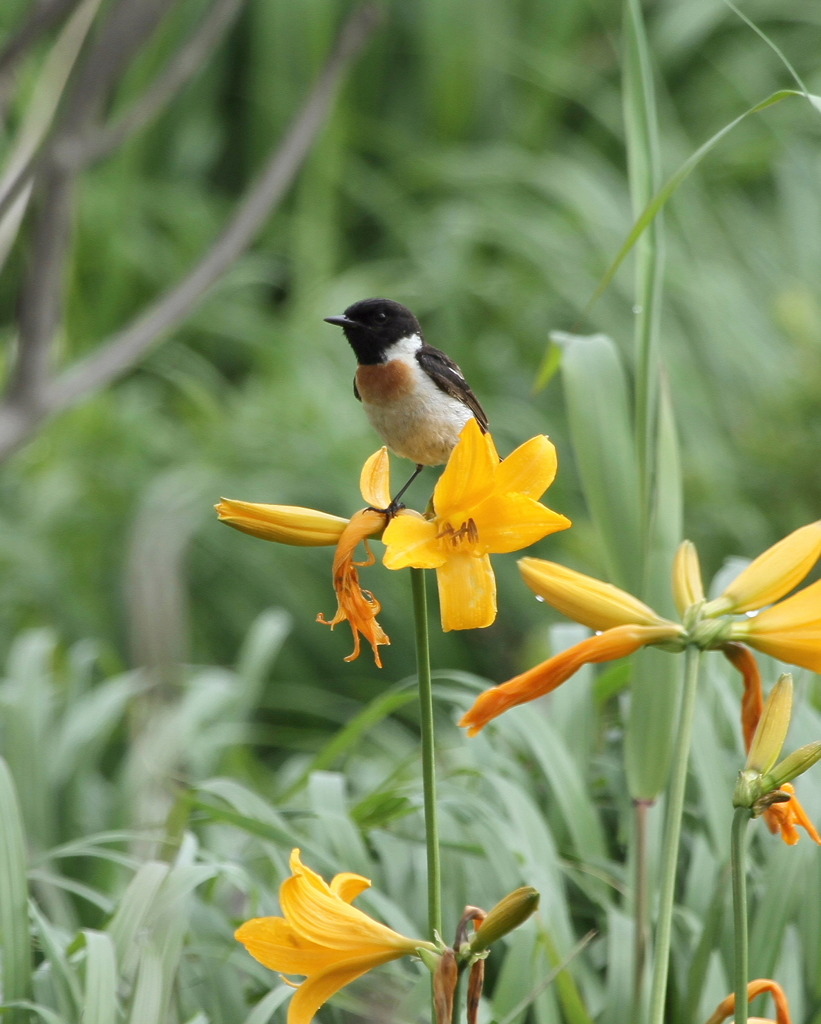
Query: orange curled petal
point(726, 1008)
point(354, 605)
point(784, 818)
point(536, 682)
point(752, 703)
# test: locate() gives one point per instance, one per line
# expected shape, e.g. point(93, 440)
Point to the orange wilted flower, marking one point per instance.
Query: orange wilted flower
point(789, 629)
point(323, 937)
point(287, 524)
point(481, 505)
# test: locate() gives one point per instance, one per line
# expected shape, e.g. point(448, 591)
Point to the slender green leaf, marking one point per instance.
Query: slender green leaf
point(100, 1003)
point(15, 946)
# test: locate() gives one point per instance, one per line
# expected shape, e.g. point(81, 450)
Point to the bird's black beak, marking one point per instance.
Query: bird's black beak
point(338, 321)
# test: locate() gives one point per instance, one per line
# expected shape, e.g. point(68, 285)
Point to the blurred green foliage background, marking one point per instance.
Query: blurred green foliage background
point(474, 168)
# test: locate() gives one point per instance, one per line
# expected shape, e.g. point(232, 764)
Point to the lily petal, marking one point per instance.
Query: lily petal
point(773, 574)
point(355, 605)
point(375, 480)
point(318, 989)
point(789, 630)
point(536, 682)
point(467, 592)
point(530, 469)
point(468, 476)
point(785, 817)
point(510, 522)
point(285, 524)
point(585, 599)
point(411, 540)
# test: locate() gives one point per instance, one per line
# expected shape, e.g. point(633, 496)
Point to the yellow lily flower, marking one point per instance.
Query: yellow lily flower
point(322, 936)
point(789, 630)
point(481, 505)
point(288, 524)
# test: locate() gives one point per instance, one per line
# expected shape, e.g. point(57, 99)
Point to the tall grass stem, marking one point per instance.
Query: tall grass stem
point(738, 849)
point(672, 835)
point(420, 614)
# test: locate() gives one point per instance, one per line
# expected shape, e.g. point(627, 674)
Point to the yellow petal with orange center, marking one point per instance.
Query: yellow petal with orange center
point(467, 592)
point(412, 541)
point(468, 477)
point(375, 480)
point(529, 470)
point(285, 524)
point(773, 574)
point(588, 600)
point(510, 522)
point(536, 682)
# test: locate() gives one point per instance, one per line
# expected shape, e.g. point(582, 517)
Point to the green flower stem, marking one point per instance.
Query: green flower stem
point(672, 834)
point(641, 904)
point(738, 845)
point(420, 614)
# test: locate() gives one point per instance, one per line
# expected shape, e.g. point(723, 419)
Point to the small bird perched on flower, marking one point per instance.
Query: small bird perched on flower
point(415, 396)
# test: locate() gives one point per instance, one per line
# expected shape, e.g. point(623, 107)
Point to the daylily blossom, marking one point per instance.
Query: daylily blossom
point(322, 936)
point(726, 1009)
point(790, 629)
point(288, 524)
point(481, 505)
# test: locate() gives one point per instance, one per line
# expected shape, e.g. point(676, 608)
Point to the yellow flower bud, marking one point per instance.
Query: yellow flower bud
point(688, 590)
point(772, 727)
point(284, 524)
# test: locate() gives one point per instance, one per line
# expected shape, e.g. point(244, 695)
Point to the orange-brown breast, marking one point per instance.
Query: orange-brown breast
point(384, 382)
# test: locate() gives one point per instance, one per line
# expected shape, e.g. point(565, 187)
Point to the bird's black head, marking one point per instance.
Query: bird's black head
point(373, 325)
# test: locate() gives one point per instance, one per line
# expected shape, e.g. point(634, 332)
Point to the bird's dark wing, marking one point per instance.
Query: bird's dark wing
point(356, 394)
point(447, 376)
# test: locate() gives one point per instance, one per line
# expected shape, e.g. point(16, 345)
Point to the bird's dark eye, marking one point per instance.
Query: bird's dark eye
point(381, 316)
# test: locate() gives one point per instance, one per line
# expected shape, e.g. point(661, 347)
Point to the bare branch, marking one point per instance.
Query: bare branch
point(40, 20)
point(124, 349)
point(55, 174)
point(182, 66)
